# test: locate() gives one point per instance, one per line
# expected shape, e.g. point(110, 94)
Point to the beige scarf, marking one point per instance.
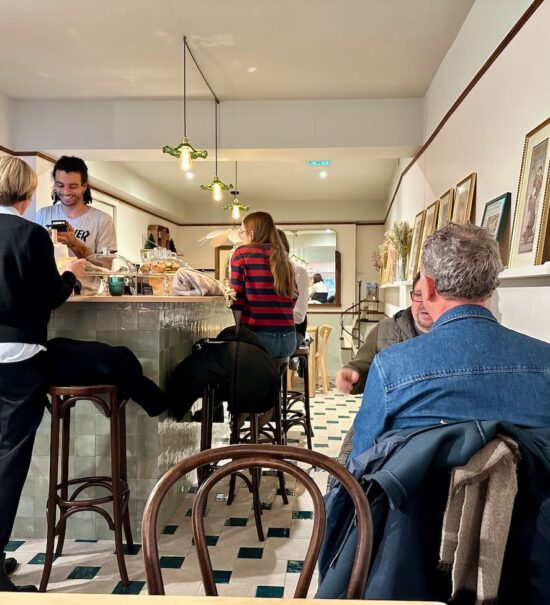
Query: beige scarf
point(477, 519)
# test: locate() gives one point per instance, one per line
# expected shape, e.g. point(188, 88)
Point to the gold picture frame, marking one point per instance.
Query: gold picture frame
point(445, 208)
point(222, 262)
point(464, 199)
point(430, 221)
point(415, 245)
point(527, 243)
point(392, 265)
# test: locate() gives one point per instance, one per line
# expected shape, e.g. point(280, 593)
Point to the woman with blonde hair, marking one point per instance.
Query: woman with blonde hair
point(30, 288)
point(265, 285)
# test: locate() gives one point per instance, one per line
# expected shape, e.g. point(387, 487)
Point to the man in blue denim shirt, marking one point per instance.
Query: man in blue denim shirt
point(468, 366)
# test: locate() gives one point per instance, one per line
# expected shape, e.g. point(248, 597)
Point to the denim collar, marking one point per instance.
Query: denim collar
point(465, 312)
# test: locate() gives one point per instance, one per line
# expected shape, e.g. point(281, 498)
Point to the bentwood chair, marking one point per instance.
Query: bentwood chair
point(258, 456)
point(324, 333)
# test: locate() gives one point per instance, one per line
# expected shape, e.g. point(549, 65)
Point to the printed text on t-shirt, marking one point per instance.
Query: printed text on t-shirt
point(82, 234)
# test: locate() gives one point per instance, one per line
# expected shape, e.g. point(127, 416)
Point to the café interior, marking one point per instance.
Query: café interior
point(340, 119)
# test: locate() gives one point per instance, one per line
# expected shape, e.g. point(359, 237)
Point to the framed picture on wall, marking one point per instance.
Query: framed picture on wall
point(415, 245)
point(222, 260)
point(445, 208)
point(430, 221)
point(495, 215)
point(383, 272)
point(464, 198)
point(392, 265)
point(531, 213)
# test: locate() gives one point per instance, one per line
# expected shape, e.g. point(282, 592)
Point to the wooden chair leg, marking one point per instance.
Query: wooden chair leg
point(256, 474)
point(64, 491)
point(116, 485)
point(124, 477)
point(52, 494)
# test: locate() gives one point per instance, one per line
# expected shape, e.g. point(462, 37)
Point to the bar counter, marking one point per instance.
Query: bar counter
point(160, 330)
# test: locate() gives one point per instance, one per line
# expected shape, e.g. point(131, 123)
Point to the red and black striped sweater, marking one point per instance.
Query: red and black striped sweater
point(251, 278)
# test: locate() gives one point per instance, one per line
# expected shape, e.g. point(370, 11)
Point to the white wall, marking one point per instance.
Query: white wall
point(121, 181)
point(369, 237)
point(486, 135)
point(138, 124)
point(5, 121)
point(486, 25)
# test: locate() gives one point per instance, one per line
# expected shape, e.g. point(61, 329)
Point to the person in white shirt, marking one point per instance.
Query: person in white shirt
point(89, 230)
point(302, 283)
point(318, 291)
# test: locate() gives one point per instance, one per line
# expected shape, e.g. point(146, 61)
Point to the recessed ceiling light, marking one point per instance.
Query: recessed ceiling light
point(189, 175)
point(323, 174)
point(251, 70)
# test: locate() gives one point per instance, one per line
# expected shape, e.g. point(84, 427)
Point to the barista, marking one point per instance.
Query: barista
point(88, 230)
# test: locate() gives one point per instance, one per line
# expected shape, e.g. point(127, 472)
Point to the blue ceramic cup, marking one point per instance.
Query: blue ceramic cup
point(116, 285)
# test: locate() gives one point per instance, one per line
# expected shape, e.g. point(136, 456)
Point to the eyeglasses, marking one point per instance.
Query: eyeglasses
point(241, 231)
point(416, 296)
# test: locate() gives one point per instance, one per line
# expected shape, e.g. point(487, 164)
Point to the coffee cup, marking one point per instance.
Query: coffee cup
point(116, 285)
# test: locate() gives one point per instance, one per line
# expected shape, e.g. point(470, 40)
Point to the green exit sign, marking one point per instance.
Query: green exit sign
point(319, 162)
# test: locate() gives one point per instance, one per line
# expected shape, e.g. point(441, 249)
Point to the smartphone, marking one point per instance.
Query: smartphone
point(58, 225)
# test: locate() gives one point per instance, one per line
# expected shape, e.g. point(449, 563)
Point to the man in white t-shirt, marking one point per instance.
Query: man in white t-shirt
point(89, 230)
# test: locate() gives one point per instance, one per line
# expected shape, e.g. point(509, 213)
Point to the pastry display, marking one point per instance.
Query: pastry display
point(166, 265)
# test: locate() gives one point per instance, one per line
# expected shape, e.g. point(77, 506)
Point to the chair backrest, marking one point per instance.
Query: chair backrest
point(258, 456)
point(324, 333)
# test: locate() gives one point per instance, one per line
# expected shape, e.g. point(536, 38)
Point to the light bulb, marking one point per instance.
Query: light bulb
point(235, 212)
point(323, 174)
point(185, 159)
point(217, 192)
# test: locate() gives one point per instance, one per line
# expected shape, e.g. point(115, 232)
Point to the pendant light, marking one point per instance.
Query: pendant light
point(216, 186)
point(234, 205)
point(185, 151)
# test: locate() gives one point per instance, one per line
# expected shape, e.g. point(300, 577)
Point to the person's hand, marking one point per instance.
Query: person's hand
point(345, 379)
point(67, 237)
point(76, 267)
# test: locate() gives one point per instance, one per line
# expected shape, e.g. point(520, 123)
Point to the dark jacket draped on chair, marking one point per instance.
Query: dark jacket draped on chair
point(406, 477)
point(235, 361)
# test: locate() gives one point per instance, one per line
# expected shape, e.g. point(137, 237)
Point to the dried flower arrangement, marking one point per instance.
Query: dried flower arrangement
point(400, 237)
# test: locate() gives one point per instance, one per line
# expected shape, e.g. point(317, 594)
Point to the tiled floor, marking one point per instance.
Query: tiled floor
point(243, 565)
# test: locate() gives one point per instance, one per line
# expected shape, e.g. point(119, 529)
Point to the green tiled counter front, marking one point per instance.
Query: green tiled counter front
point(161, 332)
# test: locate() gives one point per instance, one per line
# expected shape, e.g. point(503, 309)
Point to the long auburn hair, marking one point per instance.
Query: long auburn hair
point(264, 232)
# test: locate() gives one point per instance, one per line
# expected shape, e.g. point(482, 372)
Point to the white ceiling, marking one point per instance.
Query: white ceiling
point(261, 182)
point(248, 50)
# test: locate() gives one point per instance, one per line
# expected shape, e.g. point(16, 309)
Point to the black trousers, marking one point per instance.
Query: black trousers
point(22, 404)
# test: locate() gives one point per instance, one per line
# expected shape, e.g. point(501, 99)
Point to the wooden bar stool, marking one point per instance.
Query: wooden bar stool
point(291, 399)
point(253, 428)
point(63, 399)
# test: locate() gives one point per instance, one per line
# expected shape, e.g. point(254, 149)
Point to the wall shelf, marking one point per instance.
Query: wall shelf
point(525, 272)
point(397, 284)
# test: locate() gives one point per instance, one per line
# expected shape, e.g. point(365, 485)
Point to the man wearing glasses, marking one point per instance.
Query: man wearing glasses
point(411, 322)
point(405, 324)
point(468, 367)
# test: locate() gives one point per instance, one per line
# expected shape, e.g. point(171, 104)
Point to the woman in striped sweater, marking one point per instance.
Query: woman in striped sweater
point(265, 285)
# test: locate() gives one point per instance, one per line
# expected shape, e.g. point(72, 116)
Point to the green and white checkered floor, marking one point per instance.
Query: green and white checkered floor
point(243, 565)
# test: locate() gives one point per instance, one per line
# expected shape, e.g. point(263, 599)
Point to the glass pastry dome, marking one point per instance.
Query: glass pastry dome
point(110, 263)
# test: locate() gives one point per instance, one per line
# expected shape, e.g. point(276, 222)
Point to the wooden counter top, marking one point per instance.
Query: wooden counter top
point(143, 299)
